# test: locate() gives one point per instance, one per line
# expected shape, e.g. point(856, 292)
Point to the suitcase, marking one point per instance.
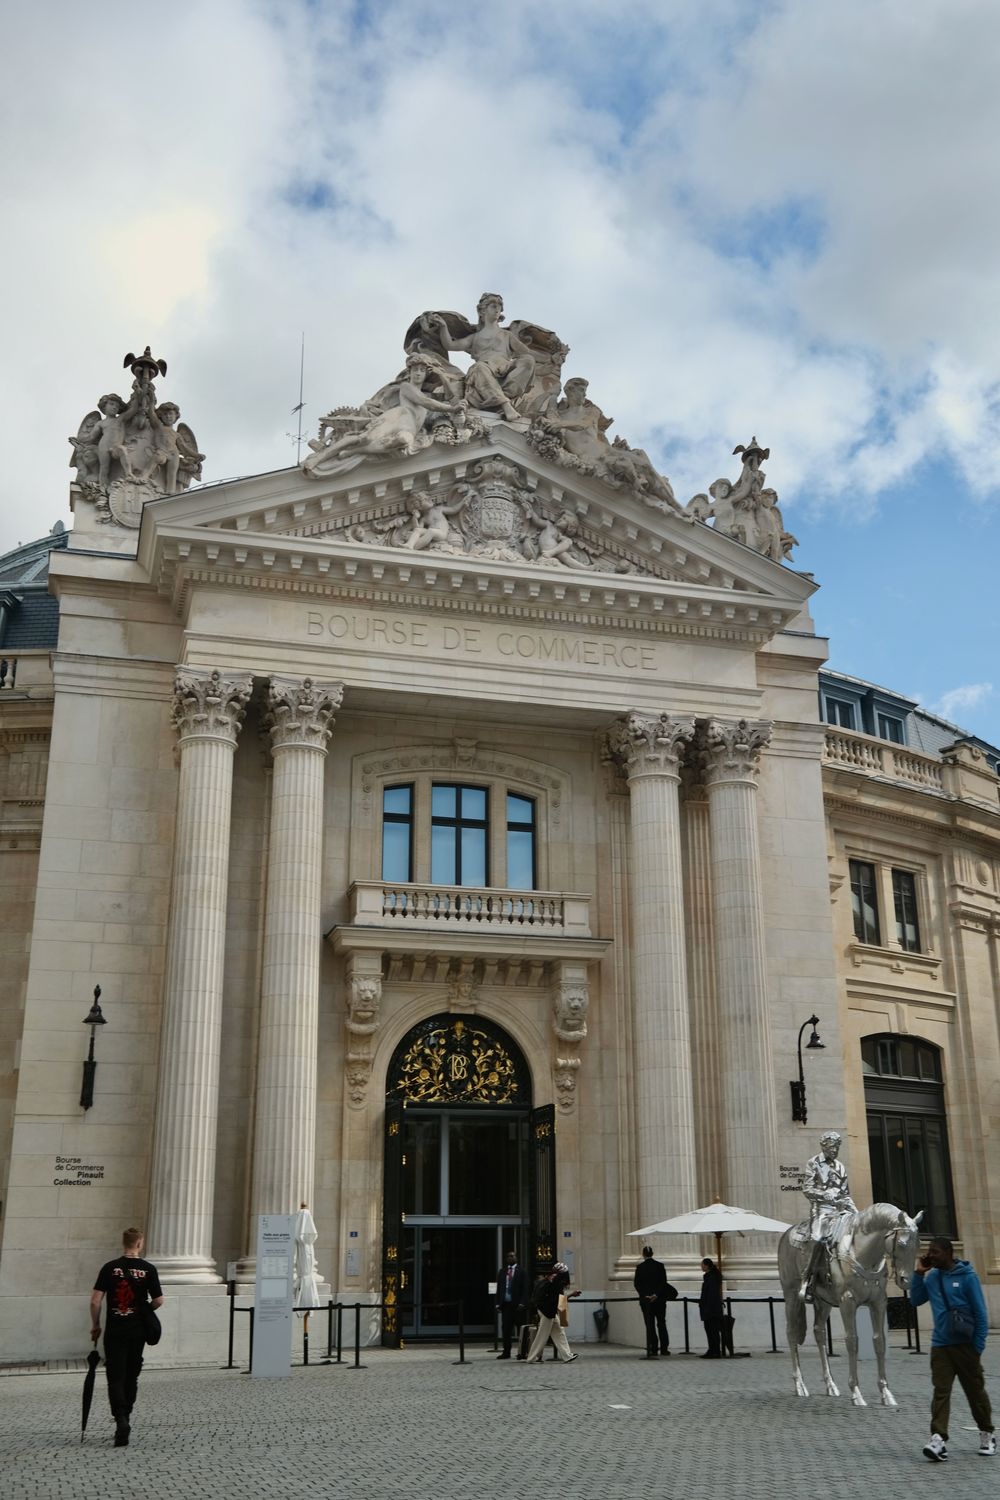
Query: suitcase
point(524, 1341)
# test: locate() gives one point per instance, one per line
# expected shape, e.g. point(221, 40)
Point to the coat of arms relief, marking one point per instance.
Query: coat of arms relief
point(490, 514)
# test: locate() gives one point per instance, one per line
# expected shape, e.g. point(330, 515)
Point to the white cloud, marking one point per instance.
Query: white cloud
point(639, 185)
point(961, 700)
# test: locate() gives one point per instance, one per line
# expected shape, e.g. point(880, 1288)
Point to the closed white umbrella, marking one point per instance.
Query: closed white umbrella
point(307, 1273)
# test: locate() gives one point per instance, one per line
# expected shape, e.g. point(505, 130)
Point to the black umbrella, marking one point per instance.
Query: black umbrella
point(93, 1360)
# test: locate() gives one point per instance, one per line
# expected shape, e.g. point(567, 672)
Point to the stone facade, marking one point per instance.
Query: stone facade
point(192, 800)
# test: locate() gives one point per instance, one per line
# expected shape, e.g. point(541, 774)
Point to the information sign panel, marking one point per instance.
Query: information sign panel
point(272, 1334)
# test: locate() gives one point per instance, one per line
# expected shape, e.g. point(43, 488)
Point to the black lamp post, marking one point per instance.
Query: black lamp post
point(93, 1020)
point(798, 1085)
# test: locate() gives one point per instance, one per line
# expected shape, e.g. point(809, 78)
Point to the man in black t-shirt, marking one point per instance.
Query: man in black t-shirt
point(130, 1284)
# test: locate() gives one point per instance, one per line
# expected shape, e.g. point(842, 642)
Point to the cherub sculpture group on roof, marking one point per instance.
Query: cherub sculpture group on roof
point(127, 452)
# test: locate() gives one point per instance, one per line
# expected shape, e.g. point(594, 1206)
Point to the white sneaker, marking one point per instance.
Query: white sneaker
point(935, 1449)
point(987, 1444)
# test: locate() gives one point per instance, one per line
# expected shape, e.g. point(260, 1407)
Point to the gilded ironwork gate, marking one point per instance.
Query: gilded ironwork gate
point(458, 1092)
point(543, 1187)
point(392, 1219)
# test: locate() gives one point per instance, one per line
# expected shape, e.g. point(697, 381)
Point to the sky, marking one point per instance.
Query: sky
point(774, 219)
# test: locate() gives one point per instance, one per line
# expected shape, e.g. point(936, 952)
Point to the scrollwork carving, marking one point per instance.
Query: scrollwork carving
point(648, 744)
point(730, 750)
point(564, 1076)
point(301, 712)
point(209, 704)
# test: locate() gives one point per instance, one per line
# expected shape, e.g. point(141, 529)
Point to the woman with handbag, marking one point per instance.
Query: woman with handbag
point(546, 1300)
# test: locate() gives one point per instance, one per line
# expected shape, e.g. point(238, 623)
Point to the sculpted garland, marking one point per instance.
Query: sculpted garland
point(515, 377)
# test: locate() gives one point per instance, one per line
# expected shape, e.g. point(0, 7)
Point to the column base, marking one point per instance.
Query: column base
point(187, 1270)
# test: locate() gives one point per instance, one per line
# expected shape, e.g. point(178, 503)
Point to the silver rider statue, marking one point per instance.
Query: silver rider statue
point(831, 1205)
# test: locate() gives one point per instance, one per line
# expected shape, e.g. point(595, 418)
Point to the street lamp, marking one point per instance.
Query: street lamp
point(93, 1019)
point(798, 1085)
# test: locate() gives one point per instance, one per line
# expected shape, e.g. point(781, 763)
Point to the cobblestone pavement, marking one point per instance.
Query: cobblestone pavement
point(413, 1424)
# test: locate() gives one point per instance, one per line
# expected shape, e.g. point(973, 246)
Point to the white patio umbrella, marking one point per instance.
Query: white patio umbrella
point(307, 1273)
point(718, 1219)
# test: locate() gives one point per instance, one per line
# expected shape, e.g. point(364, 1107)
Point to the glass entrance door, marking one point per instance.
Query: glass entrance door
point(464, 1198)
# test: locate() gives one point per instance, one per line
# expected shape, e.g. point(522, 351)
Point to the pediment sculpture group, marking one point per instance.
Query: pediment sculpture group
point(127, 452)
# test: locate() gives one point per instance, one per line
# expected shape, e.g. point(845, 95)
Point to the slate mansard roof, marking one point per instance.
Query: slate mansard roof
point(29, 616)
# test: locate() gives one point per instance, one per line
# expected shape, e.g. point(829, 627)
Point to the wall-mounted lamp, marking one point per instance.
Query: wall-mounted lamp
point(93, 1020)
point(798, 1085)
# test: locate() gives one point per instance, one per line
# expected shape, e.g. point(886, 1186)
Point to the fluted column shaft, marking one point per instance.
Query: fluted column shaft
point(731, 754)
point(207, 713)
point(650, 749)
point(299, 723)
point(696, 846)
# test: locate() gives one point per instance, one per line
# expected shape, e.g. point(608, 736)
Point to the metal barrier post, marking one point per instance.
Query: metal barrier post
point(329, 1330)
point(305, 1338)
point(357, 1365)
point(461, 1334)
point(916, 1324)
point(250, 1362)
point(687, 1339)
point(232, 1322)
point(774, 1338)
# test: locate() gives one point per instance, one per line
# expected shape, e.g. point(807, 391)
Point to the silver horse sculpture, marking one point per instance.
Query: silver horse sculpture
point(883, 1241)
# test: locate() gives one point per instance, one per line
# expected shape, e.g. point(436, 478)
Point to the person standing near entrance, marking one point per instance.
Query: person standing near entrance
point(130, 1285)
point(651, 1283)
point(546, 1298)
point(711, 1307)
point(960, 1327)
point(511, 1297)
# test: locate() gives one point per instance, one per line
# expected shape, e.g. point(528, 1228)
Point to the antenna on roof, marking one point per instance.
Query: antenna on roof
point(297, 410)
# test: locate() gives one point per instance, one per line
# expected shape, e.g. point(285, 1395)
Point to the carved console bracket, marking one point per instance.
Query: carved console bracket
point(364, 1003)
point(570, 1001)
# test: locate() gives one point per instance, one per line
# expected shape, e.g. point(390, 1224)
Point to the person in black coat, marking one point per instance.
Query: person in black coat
point(711, 1308)
point(650, 1281)
point(512, 1285)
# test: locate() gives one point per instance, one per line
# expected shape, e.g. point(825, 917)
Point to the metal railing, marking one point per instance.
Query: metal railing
point(335, 1319)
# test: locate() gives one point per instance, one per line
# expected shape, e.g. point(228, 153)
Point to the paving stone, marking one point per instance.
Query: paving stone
point(610, 1426)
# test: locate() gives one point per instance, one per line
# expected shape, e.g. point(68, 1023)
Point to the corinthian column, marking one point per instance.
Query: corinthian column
point(207, 713)
point(731, 755)
point(649, 749)
point(299, 721)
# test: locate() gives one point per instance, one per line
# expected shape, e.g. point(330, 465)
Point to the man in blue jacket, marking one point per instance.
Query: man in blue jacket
point(949, 1285)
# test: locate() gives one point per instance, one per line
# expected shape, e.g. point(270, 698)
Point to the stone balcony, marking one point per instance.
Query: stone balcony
point(25, 674)
point(467, 921)
point(961, 774)
point(874, 757)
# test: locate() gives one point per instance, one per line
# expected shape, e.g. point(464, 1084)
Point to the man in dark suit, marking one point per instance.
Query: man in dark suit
point(512, 1287)
point(650, 1282)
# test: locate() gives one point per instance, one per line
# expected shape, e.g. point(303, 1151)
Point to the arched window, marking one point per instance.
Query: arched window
point(907, 1129)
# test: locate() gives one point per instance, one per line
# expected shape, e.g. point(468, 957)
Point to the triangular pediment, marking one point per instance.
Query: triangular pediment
point(491, 519)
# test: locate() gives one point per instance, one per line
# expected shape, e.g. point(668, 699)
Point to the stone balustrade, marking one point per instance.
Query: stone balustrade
point(874, 757)
point(26, 673)
point(395, 904)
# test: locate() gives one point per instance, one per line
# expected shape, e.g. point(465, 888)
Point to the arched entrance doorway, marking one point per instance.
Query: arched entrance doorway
point(469, 1174)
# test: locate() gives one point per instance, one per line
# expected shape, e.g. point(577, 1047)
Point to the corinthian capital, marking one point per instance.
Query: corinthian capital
point(208, 705)
point(731, 748)
point(300, 712)
point(649, 744)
